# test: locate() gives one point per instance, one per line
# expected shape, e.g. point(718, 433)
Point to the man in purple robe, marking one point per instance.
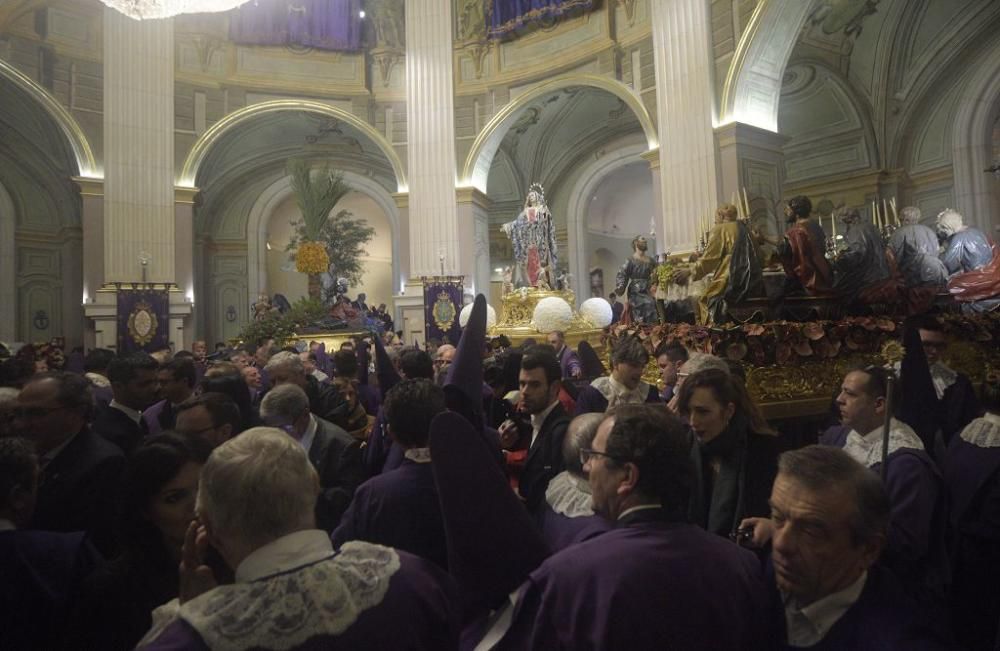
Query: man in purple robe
point(653, 581)
point(956, 401)
point(972, 475)
point(569, 362)
point(292, 590)
point(831, 522)
point(624, 385)
point(566, 517)
point(400, 508)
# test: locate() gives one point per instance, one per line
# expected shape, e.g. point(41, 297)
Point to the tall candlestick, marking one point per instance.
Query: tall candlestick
point(833, 224)
point(746, 204)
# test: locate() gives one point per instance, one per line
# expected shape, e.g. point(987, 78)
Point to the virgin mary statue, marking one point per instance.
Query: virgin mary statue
point(534, 238)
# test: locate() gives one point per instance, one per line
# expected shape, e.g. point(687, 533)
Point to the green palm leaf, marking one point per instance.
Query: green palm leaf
point(315, 194)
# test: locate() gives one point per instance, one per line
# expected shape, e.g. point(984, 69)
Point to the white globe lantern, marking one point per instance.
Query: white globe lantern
point(597, 311)
point(551, 314)
point(491, 315)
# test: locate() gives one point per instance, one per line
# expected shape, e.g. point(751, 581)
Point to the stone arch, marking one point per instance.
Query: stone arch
point(198, 153)
point(576, 222)
point(752, 89)
point(86, 165)
point(274, 194)
point(477, 165)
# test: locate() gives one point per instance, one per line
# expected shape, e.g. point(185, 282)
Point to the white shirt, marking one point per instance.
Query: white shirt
point(310, 434)
point(537, 420)
point(286, 553)
point(808, 625)
point(136, 416)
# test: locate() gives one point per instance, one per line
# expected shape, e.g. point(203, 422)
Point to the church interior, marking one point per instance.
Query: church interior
point(788, 187)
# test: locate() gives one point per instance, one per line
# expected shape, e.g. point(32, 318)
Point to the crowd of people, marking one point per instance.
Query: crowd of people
point(481, 496)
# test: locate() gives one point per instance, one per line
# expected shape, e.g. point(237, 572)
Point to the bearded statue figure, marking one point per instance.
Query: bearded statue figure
point(533, 235)
point(634, 281)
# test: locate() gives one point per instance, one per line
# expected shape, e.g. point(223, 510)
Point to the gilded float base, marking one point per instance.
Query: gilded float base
point(517, 308)
point(333, 339)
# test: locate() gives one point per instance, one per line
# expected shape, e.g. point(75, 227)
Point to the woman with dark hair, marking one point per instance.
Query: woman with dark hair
point(158, 504)
point(734, 451)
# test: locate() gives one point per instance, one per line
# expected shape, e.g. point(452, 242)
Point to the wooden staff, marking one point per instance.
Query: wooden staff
point(889, 384)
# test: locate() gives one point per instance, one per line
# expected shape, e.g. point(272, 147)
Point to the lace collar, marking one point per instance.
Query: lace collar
point(569, 495)
point(285, 610)
point(983, 432)
point(418, 455)
point(610, 388)
point(867, 448)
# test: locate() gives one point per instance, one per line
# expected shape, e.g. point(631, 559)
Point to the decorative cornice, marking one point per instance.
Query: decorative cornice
point(89, 187)
point(473, 196)
point(185, 195)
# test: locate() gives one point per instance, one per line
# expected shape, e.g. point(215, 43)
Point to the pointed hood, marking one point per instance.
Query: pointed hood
point(589, 360)
point(493, 543)
point(918, 405)
point(464, 383)
point(384, 371)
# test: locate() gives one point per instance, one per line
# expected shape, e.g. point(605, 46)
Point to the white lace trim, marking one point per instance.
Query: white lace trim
point(284, 611)
point(610, 388)
point(867, 449)
point(569, 495)
point(942, 377)
point(983, 432)
point(418, 455)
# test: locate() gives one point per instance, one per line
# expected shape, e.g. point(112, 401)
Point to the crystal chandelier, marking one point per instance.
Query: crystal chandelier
point(148, 9)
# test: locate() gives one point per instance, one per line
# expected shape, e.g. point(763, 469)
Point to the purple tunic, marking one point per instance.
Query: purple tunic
point(561, 531)
point(398, 509)
point(569, 362)
point(645, 585)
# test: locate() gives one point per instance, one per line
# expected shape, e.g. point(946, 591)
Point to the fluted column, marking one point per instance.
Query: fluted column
point(685, 108)
point(138, 148)
point(435, 230)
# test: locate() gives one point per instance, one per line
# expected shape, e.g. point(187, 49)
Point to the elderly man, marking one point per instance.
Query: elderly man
point(569, 362)
point(566, 516)
point(80, 471)
point(624, 385)
point(324, 400)
point(653, 581)
point(443, 357)
point(292, 590)
point(831, 521)
point(334, 453)
point(400, 508)
point(915, 247)
point(973, 262)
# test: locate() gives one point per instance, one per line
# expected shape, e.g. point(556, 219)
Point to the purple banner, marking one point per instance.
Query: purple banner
point(323, 24)
point(442, 303)
point(143, 320)
point(508, 16)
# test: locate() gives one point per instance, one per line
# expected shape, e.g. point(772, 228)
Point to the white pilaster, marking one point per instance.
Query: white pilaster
point(685, 103)
point(434, 226)
point(138, 148)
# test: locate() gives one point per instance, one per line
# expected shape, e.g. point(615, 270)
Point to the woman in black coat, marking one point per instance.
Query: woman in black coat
point(734, 452)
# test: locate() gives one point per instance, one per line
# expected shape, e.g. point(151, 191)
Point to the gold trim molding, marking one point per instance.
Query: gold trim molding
point(204, 144)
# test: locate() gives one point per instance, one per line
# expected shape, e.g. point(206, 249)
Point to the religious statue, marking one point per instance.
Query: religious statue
point(862, 271)
point(388, 21)
point(973, 262)
point(915, 248)
point(472, 20)
point(533, 235)
point(802, 252)
point(263, 307)
point(731, 256)
point(508, 280)
point(634, 281)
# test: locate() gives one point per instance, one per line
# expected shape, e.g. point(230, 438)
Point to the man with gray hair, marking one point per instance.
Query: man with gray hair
point(916, 249)
point(334, 453)
point(831, 523)
point(566, 516)
point(325, 401)
point(292, 590)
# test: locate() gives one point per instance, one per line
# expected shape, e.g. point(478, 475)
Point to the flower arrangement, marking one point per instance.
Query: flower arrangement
point(552, 313)
point(311, 258)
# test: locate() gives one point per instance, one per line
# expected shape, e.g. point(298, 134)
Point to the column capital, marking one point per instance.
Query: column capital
point(185, 195)
point(738, 133)
point(652, 157)
point(473, 196)
point(89, 186)
point(402, 199)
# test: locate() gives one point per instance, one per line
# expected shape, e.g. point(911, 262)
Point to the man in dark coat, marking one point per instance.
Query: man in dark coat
point(624, 385)
point(831, 522)
point(400, 508)
point(539, 379)
point(176, 381)
point(957, 403)
point(42, 571)
point(324, 400)
point(133, 380)
point(334, 453)
point(80, 471)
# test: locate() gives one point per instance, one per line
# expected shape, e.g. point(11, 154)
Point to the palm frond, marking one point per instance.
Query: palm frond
point(315, 194)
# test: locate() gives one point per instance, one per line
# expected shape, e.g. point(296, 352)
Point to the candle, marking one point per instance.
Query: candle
point(746, 204)
point(895, 214)
point(885, 212)
point(833, 224)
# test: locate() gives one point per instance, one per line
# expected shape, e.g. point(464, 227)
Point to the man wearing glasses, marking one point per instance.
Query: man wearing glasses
point(79, 469)
point(957, 402)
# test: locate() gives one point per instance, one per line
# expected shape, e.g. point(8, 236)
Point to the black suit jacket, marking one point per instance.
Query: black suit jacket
point(336, 455)
point(545, 459)
point(77, 490)
point(118, 428)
